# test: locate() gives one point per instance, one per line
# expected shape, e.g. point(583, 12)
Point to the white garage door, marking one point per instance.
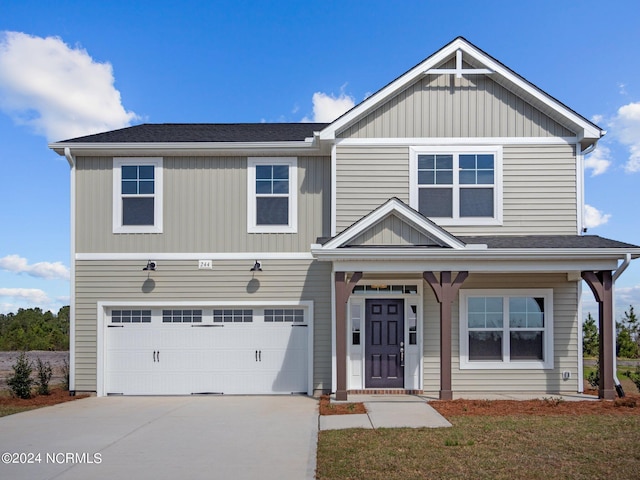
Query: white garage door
point(200, 351)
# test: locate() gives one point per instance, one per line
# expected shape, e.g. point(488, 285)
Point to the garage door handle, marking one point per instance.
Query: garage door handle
point(154, 356)
point(258, 355)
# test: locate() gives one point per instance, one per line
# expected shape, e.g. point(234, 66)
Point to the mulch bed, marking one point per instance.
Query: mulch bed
point(328, 408)
point(629, 405)
point(58, 395)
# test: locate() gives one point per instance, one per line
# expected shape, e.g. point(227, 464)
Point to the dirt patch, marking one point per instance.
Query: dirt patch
point(56, 359)
point(629, 405)
point(328, 408)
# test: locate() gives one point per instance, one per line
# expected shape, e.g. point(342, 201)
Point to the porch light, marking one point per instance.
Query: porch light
point(256, 267)
point(151, 266)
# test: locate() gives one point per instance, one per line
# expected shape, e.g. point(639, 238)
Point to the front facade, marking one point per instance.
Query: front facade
point(429, 240)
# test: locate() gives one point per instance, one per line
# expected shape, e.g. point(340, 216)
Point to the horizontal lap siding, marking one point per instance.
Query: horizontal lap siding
point(205, 208)
point(181, 281)
point(565, 332)
point(445, 106)
point(539, 187)
point(366, 178)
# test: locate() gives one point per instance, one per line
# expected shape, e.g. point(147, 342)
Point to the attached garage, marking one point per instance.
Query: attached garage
point(198, 349)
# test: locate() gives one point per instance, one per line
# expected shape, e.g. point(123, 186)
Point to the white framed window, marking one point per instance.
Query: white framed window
point(506, 329)
point(272, 203)
point(457, 185)
point(137, 195)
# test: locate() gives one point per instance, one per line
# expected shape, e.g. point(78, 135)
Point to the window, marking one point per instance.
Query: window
point(511, 329)
point(457, 185)
point(284, 315)
point(181, 316)
point(272, 190)
point(233, 316)
point(131, 316)
point(137, 195)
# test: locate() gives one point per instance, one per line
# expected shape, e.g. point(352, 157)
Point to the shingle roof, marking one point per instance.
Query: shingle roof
point(205, 132)
point(547, 241)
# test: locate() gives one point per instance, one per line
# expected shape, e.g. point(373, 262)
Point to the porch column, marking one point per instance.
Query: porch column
point(343, 291)
point(601, 284)
point(445, 292)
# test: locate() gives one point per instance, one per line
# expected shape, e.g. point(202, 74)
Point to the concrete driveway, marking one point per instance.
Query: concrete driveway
point(235, 437)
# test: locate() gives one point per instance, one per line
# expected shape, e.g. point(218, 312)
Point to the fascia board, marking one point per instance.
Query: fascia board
point(177, 147)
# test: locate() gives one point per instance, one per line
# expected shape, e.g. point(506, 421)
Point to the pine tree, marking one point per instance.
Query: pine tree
point(590, 341)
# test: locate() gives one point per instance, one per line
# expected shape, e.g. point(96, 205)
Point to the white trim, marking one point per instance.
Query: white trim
point(456, 150)
point(547, 338)
point(334, 186)
point(393, 206)
point(334, 361)
point(292, 196)
point(454, 141)
point(579, 188)
point(118, 227)
point(580, 354)
point(196, 256)
point(174, 147)
point(588, 129)
point(72, 270)
point(101, 314)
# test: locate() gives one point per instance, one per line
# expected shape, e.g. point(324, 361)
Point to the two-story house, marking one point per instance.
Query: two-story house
point(428, 240)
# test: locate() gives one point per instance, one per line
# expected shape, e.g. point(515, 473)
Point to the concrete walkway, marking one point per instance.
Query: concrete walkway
point(387, 411)
point(230, 437)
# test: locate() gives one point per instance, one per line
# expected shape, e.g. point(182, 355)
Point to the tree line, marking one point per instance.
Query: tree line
point(627, 336)
point(33, 329)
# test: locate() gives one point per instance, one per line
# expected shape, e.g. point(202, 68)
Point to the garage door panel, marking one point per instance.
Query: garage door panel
point(251, 356)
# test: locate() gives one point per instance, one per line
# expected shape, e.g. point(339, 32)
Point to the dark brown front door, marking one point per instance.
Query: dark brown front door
point(384, 364)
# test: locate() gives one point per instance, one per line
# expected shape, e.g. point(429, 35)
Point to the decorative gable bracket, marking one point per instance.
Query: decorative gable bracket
point(459, 70)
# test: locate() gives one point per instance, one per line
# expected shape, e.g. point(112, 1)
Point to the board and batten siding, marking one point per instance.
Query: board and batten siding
point(565, 333)
point(539, 187)
point(182, 281)
point(205, 208)
point(446, 106)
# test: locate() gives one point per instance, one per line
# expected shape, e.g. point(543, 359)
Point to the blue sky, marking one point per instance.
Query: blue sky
point(73, 67)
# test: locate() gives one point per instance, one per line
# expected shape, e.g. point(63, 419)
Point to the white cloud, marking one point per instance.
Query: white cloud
point(59, 91)
point(625, 128)
point(326, 108)
point(625, 296)
point(599, 160)
point(33, 295)
point(594, 217)
point(48, 270)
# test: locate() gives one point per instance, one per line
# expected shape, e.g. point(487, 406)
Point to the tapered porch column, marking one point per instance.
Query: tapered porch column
point(343, 291)
point(601, 284)
point(445, 292)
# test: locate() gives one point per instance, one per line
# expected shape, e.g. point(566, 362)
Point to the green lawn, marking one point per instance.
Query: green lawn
point(484, 447)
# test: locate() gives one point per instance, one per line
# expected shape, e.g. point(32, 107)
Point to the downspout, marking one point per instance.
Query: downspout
point(72, 271)
point(623, 266)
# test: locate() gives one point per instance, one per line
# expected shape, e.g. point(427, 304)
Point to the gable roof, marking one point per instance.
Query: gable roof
point(395, 207)
point(205, 132)
point(588, 133)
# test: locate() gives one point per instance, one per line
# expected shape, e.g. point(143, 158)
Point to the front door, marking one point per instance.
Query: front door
point(384, 347)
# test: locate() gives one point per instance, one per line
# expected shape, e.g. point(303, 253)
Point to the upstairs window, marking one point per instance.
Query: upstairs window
point(457, 186)
point(137, 195)
point(272, 195)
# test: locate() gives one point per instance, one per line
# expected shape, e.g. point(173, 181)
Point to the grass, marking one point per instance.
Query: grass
point(486, 447)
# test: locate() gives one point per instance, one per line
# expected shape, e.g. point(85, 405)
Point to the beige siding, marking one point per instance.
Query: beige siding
point(392, 231)
point(115, 281)
point(205, 208)
point(446, 106)
point(565, 332)
point(366, 178)
point(539, 187)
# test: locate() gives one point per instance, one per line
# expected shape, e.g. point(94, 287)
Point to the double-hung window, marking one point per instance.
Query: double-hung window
point(137, 195)
point(506, 329)
point(272, 195)
point(457, 185)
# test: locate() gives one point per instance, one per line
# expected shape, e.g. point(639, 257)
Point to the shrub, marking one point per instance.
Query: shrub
point(21, 382)
point(634, 376)
point(44, 376)
point(594, 377)
point(65, 375)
